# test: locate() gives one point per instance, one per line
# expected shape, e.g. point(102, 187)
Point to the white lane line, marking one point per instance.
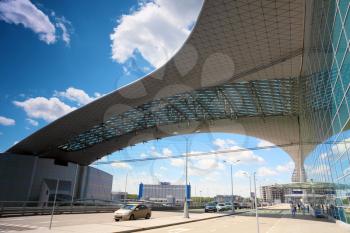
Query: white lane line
point(12, 219)
point(48, 222)
point(17, 225)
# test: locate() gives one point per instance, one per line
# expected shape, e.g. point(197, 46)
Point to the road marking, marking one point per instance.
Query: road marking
point(12, 219)
point(48, 222)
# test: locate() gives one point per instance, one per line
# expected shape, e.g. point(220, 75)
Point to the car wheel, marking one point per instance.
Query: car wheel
point(117, 220)
point(148, 216)
point(132, 217)
point(206, 211)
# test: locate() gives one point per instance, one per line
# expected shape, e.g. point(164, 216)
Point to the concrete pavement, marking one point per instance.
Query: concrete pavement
point(272, 220)
point(101, 222)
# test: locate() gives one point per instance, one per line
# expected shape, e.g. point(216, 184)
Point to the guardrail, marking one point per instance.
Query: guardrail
point(8, 209)
point(28, 208)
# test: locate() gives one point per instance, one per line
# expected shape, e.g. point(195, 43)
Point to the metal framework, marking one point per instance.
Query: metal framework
point(248, 99)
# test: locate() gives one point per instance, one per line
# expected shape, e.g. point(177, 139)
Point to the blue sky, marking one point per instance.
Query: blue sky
point(57, 56)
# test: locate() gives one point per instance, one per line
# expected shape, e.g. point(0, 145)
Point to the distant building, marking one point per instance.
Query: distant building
point(227, 198)
point(272, 194)
point(119, 196)
point(164, 192)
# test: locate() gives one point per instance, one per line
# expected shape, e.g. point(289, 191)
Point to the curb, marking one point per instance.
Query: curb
point(177, 223)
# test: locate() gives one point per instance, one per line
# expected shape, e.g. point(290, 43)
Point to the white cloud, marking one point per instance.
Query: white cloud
point(98, 95)
point(26, 13)
point(241, 174)
point(203, 166)
point(143, 155)
point(43, 108)
point(263, 143)
point(77, 95)
point(320, 170)
point(156, 30)
point(177, 162)
point(121, 165)
point(245, 156)
point(167, 152)
point(32, 122)
point(341, 147)
point(7, 121)
point(61, 24)
point(265, 171)
point(288, 167)
point(221, 143)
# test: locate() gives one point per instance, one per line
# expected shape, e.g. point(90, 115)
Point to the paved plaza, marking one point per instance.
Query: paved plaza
point(272, 220)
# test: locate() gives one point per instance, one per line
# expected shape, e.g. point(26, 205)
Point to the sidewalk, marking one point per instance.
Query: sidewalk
point(130, 226)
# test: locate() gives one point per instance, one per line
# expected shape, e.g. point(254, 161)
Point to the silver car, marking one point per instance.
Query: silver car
point(132, 212)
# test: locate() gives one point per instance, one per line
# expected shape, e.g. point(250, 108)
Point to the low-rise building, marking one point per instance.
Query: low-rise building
point(164, 192)
point(272, 194)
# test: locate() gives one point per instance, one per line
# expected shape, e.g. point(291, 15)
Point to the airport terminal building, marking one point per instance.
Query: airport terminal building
point(34, 181)
point(274, 70)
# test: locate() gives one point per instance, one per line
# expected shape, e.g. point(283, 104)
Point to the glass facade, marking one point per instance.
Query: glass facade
point(325, 107)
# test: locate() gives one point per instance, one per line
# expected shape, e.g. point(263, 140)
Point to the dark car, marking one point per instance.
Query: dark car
point(210, 207)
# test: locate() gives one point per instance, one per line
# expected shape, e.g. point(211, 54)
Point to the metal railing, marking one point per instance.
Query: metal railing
point(21, 208)
point(29, 208)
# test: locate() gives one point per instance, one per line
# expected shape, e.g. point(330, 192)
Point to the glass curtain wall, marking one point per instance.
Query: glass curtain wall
point(325, 98)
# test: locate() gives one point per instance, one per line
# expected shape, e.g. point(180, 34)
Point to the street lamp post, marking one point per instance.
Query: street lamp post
point(126, 183)
point(250, 192)
point(256, 206)
point(186, 214)
point(255, 199)
point(232, 197)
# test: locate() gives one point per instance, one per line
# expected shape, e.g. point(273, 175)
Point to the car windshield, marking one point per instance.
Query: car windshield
point(128, 207)
point(211, 204)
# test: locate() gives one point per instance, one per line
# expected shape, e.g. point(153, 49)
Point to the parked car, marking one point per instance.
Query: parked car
point(132, 212)
point(210, 207)
point(228, 206)
point(221, 207)
point(237, 206)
